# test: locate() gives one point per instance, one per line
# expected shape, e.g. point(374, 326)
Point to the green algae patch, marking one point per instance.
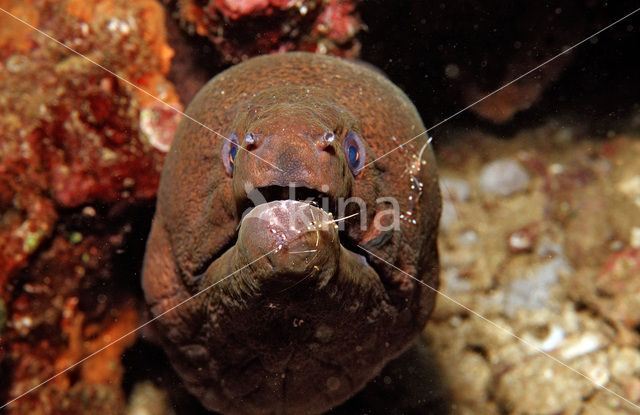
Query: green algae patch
point(32, 241)
point(75, 238)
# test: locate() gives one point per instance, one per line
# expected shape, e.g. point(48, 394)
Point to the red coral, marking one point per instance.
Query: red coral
point(70, 136)
point(241, 29)
point(239, 8)
point(48, 330)
point(337, 21)
point(75, 139)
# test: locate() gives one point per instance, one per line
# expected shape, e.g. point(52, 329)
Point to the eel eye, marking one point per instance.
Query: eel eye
point(355, 152)
point(229, 151)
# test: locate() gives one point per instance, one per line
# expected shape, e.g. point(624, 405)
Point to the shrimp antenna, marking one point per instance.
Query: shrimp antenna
point(341, 219)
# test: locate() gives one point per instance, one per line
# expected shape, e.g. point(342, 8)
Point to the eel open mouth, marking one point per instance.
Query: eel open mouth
point(299, 193)
point(298, 230)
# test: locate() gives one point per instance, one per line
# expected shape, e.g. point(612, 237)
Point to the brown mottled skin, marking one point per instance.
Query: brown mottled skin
point(292, 333)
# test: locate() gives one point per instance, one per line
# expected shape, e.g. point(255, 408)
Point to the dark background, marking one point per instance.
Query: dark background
point(490, 42)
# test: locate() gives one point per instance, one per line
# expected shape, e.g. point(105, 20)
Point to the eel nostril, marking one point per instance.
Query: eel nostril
point(326, 142)
point(251, 140)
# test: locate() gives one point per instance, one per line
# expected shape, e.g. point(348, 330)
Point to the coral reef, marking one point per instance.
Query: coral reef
point(78, 147)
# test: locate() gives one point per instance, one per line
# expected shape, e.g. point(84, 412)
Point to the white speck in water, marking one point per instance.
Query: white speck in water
point(452, 71)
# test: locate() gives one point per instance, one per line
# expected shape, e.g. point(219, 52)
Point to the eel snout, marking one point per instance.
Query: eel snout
point(289, 152)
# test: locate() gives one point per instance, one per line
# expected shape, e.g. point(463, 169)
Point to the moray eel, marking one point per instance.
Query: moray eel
point(291, 315)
